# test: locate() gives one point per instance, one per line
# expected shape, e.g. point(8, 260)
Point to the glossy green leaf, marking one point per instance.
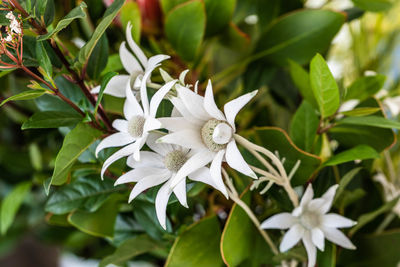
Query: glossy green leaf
point(26, 95)
point(374, 121)
point(43, 58)
point(167, 5)
point(324, 87)
point(99, 223)
point(219, 14)
point(346, 179)
point(103, 85)
point(262, 136)
point(109, 15)
point(327, 258)
point(303, 127)
point(198, 245)
point(129, 249)
point(359, 152)
point(301, 79)
point(11, 204)
point(76, 13)
point(131, 13)
point(75, 143)
point(184, 28)
point(52, 119)
point(360, 112)
point(312, 34)
point(87, 193)
point(98, 59)
point(365, 87)
point(373, 5)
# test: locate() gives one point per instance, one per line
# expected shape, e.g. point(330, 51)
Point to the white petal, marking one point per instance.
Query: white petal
point(328, 197)
point(215, 170)
point(155, 61)
point(115, 87)
point(203, 175)
point(161, 203)
point(186, 138)
point(160, 148)
point(120, 125)
point(235, 160)
point(232, 108)
point(175, 124)
point(178, 104)
point(291, 237)
point(209, 104)
point(307, 196)
point(317, 237)
point(139, 144)
point(193, 103)
point(151, 124)
point(129, 62)
point(138, 174)
point(123, 152)
point(337, 237)
point(147, 182)
point(279, 221)
point(198, 160)
point(147, 159)
point(180, 192)
point(311, 249)
point(159, 96)
point(135, 48)
point(114, 140)
point(131, 105)
point(182, 76)
point(337, 221)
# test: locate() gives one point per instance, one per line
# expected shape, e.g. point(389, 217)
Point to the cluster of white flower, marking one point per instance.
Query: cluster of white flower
point(15, 27)
point(192, 143)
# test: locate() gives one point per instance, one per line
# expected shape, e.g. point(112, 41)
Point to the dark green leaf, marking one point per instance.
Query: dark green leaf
point(104, 83)
point(219, 14)
point(359, 152)
point(184, 28)
point(346, 179)
point(327, 258)
point(301, 79)
point(52, 119)
point(365, 87)
point(43, 58)
point(26, 95)
point(98, 59)
point(373, 5)
point(374, 121)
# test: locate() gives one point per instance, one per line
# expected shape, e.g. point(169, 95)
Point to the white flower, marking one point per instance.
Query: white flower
point(136, 70)
point(159, 167)
point(209, 132)
point(139, 121)
point(15, 26)
point(390, 191)
point(311, 223)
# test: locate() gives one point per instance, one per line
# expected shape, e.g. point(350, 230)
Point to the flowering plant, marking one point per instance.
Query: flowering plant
point(151, 168)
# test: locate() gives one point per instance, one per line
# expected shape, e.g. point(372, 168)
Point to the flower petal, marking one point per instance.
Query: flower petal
point(215, 170)
point(307, 196)
point(151, 124)
point(123, 152)
point(138, 174)
point(291, 237)
point(181, 108)
point(186, 138)
point(235, 160)
point(317, 237)
point(115, 87)
point(129, 62)
point(336, 236)
point(147, 159)
point(135, 48)
point(209, 104)
point(131, 105)
point(193, 103)
point(147, 182)
point(160, 148)
point(337, 221)
point(311, 249)
point(279, 221)
point(139, 144)
point(203, 175)
point(120, 125)
point(114, 140)
point(328, 197)
point(159, 96)
point(180, 192)
point(161, 203)
point(232, 108)
point(175, 124)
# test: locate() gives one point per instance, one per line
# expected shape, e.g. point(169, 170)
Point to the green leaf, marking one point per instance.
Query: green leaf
point(360, 112)
point(87, 193)
point(365, 87)
point(103, 85)
point(327, 258)
point(98, 59)
point(11, 204)
point(219, 14)
point(108, 17)
point(198, 245)
point(374, 121)
point(131, 13)
point(373, 5)
point(129, 249)
point(99, 223)
point(75, 143)
point(52, 119)
point(43, 58)
point(301, 79)
point(304, 125)
point(184, 28)
point(262, 136)
point(312, 33)
point(26, 95)
point(368, 217)
point(346, 179)
point(76, 13)
point(359, 152)
point(324, 86)
point(167, 5)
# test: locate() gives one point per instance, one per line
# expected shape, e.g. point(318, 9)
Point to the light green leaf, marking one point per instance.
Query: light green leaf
point(131, 13)
point(43, 58)
point(360, 112)
point(197, 246)
point(129, 249)
point(26, 95)
point(75, 143)
point(219, 14)
point(76, 13)
point(52, 119)
point(301, 79)
point(373, 5)
point(365, 87)
point(360, 152)
point(11, 204)
point(184, 28)
point(167, 5)
point(108, 17)
point(374, 121)
point(324, 86)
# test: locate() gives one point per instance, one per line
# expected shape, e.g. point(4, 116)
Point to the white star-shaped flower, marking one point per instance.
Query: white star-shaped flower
point(311, 223)
point(139, 121)
point(209, 132)
point(136, 65)
point(158, 167)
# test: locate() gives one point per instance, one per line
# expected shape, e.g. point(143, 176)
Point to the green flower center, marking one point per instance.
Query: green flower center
point(216, 134)
point(310, 219)
point(135, 126)
point(174, 160)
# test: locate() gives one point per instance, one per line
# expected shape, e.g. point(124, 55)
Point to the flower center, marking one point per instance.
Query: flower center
point(216, 134)
point(310, 219)
point(136, 79)
point(135, 126)
point(174, 160)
